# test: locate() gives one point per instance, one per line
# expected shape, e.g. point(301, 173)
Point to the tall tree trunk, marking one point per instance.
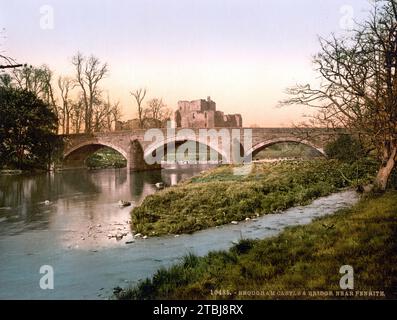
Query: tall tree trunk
point(67, 122)
point(63, 121)
point(87, 120)
point(386, 170)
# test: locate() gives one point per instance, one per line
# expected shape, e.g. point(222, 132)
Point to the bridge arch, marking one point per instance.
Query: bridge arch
point(76, 155)
point(179, 140)
point(95, 143)
point(264, 144)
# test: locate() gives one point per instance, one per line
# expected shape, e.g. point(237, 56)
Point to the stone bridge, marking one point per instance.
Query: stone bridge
point(140, 150)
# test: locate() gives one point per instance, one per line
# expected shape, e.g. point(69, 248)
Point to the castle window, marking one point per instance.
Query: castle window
point(205, 115)
point(194, 117)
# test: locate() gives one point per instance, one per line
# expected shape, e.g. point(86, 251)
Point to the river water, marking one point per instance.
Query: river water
point(64, 220)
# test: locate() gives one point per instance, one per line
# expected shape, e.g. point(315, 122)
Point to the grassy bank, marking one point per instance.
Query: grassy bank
point(220, 196)
point(301, 258)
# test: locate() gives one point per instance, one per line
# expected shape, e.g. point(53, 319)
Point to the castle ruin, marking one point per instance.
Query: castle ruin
point(203, 114)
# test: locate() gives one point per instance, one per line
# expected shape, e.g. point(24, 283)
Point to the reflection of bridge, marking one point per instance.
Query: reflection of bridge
point(132, 144)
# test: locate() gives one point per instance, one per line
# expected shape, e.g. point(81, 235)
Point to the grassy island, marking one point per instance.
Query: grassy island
point(221, 196)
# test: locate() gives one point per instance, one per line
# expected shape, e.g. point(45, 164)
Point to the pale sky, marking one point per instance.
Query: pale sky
point(242, 53)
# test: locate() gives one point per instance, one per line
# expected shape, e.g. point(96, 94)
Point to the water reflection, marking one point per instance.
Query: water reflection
point(79, 208)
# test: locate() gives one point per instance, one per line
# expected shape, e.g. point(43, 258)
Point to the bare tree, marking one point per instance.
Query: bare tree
point(114, 115)
point(156, 113)
point(37, 80)
point(105, 114)
point(139, 96)
point(89, 72)
point(65, 85)
point(358, 89)
point(48, 92)
point(100, 113)
point(31, 79)
point(5, 61)
point(77, 115)
point(8, 63)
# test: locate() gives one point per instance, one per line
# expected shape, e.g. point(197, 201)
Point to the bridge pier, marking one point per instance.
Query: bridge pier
point(136, 161)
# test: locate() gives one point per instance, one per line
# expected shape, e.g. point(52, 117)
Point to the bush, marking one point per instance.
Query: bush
point(243, 246)
point(27, 131)
point(345, 148)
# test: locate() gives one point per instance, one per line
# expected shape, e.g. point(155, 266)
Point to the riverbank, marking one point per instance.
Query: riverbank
point(220, 196)
point(9, 172)
point(301, 258)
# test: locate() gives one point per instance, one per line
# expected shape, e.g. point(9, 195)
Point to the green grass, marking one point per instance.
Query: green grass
point(301, 258)
point(219, 196)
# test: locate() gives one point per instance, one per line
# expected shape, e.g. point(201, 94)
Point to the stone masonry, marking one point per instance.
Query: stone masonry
point(203, 114)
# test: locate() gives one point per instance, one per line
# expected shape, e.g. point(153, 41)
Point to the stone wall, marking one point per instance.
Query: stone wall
point(228, 120)
point(127, 125)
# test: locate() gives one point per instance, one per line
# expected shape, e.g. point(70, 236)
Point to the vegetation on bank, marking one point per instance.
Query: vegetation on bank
point(106, 158)
point(345, 148)
point(27, 131)
point(301, 258)
point(220, 196)
point(290, 150)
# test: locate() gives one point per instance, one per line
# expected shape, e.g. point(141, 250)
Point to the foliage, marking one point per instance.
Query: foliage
point(27, 126)
point(301, 258)
point(106, 158)
point(345, 148)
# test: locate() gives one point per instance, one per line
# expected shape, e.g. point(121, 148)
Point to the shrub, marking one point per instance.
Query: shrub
point(345, 148)
point(243, 246)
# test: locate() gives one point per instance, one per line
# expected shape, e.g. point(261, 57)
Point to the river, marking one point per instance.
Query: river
point(64, 220)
